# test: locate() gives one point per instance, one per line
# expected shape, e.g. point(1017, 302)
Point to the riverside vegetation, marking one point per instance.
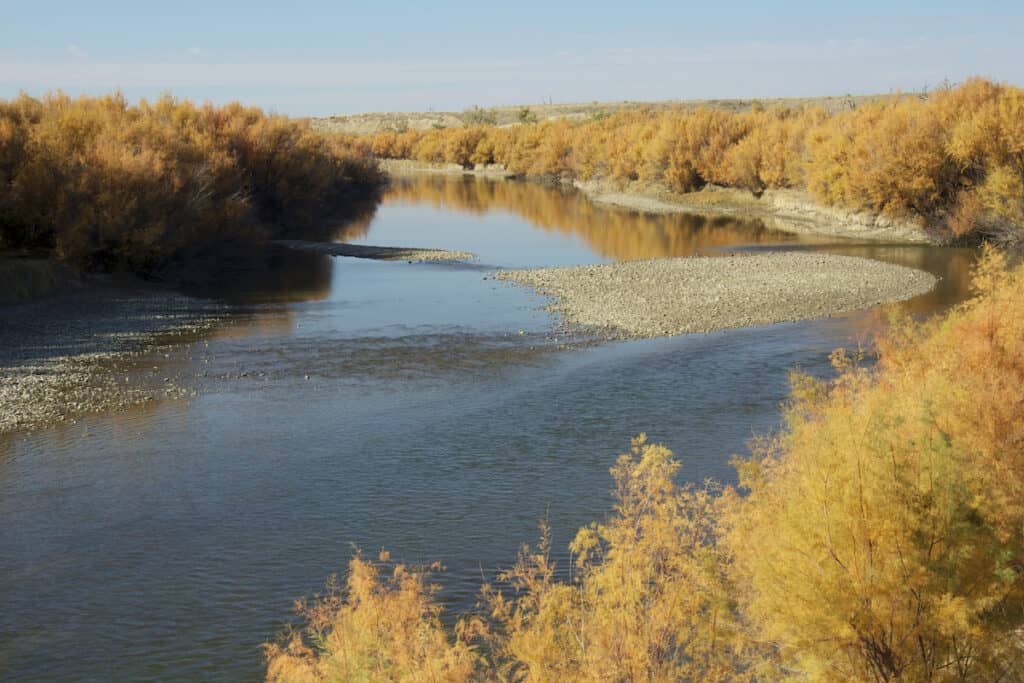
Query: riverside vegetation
point(953, 161)
point(877, 538)
point(104, 185)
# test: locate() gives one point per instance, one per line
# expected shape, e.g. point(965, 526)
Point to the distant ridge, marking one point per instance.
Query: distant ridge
point(361, 124)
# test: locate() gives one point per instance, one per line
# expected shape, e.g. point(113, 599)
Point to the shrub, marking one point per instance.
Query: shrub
point(107, 186)
point(475, 116)
point(650, 600)
point(379, 628)
point(524, 115)
point(954, 161)
point(881, 538)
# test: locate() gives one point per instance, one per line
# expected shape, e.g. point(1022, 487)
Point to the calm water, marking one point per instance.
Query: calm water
point(421, 408)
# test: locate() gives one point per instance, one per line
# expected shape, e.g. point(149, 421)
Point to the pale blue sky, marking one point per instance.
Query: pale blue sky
point(316, 58)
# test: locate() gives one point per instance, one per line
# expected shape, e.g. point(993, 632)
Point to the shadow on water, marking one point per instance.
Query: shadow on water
point(417, 407)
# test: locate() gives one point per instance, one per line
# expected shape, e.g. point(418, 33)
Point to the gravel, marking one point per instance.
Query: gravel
point(93, 350)
point(666, 297)
point(410, 254)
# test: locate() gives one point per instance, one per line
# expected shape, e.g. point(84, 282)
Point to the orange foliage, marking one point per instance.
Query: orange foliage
point(954, 161)
point(377, 629)
point(107, 185)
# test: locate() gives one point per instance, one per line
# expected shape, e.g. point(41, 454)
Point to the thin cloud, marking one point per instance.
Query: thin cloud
point(736, 69)
point(76, 52)
point(195, 51)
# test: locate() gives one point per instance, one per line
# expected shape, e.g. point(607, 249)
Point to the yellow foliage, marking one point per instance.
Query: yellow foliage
point(954, 161)
point(881, 538)
point(378, 629)
point(650, 600)
point(107, 185)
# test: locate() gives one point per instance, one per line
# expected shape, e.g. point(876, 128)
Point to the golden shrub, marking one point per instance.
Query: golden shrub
point(926, 160)
point(379, 628)
point(881, 538)
point(650, 600)
point(107, 185)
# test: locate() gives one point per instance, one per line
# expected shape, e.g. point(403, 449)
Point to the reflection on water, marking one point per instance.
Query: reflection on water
point(417, 407)
point(610, 232)
point(952, 267)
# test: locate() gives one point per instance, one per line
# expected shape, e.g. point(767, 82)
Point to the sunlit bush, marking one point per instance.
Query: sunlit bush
point(882, 535)
point(107, 185)
point(378, 628)
point(650, 599)
point(953, 162)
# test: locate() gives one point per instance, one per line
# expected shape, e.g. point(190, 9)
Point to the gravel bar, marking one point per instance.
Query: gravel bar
point(412, 254)
point(666, 297)
point(94, 349)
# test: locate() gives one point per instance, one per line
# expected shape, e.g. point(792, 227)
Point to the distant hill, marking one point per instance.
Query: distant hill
point(361, 124)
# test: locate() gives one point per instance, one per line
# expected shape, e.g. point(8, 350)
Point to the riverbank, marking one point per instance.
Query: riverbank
point(409, 166)
point(787, 210)
point(668, 297)
point(24, 279)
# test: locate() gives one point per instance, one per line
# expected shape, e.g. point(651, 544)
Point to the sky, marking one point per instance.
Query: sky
point(317, 58)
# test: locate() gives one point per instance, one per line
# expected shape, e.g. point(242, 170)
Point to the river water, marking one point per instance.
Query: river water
point(422, 408)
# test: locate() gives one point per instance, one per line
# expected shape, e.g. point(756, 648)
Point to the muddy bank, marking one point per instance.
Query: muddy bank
point(410, 254)
point(666, 297)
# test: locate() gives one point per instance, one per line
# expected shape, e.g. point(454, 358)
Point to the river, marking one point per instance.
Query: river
point(422, 408)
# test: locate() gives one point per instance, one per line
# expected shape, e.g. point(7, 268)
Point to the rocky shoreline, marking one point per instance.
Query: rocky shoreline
point(667, 297)
point(95, 349)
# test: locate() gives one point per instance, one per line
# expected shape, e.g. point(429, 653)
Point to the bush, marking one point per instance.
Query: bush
point(476, 116)
point(881, 538)
point(106, 186)
point(954, 161)
point(378, 628)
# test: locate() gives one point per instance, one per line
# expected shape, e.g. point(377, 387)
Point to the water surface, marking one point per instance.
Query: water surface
point(424, 408)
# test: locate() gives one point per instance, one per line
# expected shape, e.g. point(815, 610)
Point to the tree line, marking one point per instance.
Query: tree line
point(953, 160)
point(106, 185)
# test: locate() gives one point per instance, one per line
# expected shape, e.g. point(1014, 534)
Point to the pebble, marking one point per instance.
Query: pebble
point(667, 297)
